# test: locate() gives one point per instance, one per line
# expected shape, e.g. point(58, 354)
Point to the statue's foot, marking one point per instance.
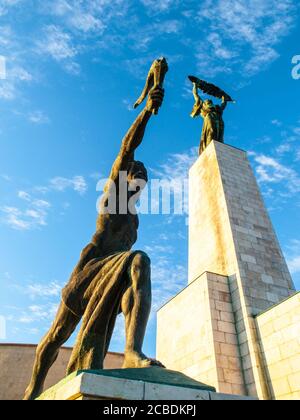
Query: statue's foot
point(32, 394)
point(135, 359)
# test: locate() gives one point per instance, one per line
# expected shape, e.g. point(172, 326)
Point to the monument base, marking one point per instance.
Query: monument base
point(152, 383)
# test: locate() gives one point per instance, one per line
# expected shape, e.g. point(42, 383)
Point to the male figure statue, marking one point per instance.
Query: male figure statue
point(213, 126)
point(109, 278)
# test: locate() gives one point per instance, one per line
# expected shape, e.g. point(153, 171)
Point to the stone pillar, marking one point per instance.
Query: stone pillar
point(230, 234)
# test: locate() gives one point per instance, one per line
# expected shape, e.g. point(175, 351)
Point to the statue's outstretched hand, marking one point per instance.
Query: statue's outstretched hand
point(155, 99)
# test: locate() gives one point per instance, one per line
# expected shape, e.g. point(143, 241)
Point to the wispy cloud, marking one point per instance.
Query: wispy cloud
point(128, 104)
point(6, 177)
point(243, 34)
point(5, 5)
point(77, 183)
point(17, 73)
point(32, 211)
point(38, 117)
point(293, 256)
point(38, 313)
point(270, 170)
point(40, 290)
point(177, 165)
point(158, 6)
point(57, 44)
point(29, 216)
point(167, 280)
point(276, 122)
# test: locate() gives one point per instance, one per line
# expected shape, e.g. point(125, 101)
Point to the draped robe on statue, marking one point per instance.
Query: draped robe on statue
point(96, 294)
point(213, 125)
point(95, 289)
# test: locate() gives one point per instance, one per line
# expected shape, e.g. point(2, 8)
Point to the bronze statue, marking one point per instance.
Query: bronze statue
point(213, 126)
point(109, 278)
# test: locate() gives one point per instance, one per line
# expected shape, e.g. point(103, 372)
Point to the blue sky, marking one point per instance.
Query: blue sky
point(74, 68)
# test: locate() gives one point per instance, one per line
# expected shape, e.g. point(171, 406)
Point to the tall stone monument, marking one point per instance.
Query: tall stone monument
point(226, 327)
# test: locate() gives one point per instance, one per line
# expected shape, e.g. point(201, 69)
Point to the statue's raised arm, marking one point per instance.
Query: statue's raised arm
point(154, 89)
point(135, 134)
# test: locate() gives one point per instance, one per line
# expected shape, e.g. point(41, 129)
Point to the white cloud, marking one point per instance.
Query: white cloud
point(6, 4)
point(7, 91)
point(19, 73)
point(40, 290)
point(128, 104)
point(57, 43)
point(77, 183)
point(293, 256)
point(72, 68)
point(38, 313)
point(239, 29)
point(38, 117)
point(276, 122)
point(24, 195)
point(6, 177)
point(31, 216)
point(270, 170)
point(16, 72)
point(294, 264)
point(86, 22)
point(157, 6)
point(87, 17)
point(167, 280)
point(177, 165)
point(24, 219)
point(33, 213)
point(15, 76)
point(15, 218)
point(283, 148)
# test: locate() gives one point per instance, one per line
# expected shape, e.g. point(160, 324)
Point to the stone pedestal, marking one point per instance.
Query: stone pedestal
point(236, 271)
point(132, 384)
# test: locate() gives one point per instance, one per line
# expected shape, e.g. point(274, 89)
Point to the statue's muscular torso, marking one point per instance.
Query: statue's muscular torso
point(117, 232)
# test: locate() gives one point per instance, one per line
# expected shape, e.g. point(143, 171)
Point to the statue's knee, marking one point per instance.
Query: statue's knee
point(140, 270)
point(140, 265)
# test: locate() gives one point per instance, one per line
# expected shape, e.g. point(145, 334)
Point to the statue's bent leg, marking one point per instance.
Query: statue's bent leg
point(136, 305)
point(47, 351)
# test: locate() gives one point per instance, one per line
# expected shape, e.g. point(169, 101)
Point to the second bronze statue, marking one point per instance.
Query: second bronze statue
point(212, 114)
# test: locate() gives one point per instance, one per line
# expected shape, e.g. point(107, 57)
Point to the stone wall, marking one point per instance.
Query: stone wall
point(199, 329)
point(16, 361)
point(279, 334)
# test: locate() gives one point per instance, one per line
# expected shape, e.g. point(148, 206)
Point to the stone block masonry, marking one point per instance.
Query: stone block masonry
point(279, 338)
point(230, 234)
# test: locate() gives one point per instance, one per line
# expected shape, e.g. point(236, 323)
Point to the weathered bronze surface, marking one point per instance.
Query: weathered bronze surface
point(109, 278)
point(213, 126)
point(156, 77)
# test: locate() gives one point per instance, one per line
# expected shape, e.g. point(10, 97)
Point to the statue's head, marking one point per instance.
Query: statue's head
point(137, 171)
point(208, 104)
